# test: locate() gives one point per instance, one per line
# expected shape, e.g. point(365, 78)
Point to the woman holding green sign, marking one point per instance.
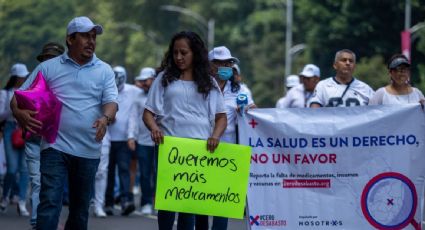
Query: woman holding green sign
point(185, 101)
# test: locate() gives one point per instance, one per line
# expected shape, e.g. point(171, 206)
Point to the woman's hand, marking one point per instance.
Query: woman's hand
point(246, 108)
point(212, 143)
point(131, 143)
point(157, 136)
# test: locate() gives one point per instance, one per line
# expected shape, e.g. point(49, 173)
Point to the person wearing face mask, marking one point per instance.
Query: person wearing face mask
point(399, 91)
point(221, 68)
point(120, 154)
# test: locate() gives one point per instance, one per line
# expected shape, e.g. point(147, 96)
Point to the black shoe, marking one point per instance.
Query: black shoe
point(109, 210)
point(127, 208)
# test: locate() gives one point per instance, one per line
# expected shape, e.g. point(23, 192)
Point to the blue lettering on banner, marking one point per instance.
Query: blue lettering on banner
point(291, 142)
point(334, 142)
point(317, 142)
point(370, 141)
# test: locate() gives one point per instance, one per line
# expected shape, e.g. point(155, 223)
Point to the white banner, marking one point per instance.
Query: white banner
point(335, 168)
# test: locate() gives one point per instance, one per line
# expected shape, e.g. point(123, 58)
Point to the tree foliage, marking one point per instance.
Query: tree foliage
point(137, 32)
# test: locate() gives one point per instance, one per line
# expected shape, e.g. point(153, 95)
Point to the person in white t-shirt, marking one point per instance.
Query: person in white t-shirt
point(120, 154)
point(185, 101)
point(222, 67)
point(343, 90)
point(290, 82)
point(139, 140)
point(298, 96)
point(399, 91)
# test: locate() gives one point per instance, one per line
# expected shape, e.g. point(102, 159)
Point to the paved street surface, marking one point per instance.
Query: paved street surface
point(11, 221)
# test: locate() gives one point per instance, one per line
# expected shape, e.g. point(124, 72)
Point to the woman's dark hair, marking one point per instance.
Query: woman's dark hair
point(200, 63)
point(11, 82)
point(234, 85)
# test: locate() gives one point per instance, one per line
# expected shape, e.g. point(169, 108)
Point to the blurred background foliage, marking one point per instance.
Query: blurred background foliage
point(137, 32)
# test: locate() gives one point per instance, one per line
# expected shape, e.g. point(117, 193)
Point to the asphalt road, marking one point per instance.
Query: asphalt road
point(11, 221)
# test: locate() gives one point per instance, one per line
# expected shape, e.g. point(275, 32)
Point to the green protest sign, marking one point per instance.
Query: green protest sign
point(193, 180)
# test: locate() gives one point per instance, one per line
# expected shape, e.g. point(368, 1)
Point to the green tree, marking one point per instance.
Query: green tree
point(25, 26)
point(372, 70)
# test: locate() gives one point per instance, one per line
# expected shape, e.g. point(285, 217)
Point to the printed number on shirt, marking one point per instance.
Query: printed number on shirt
point(338, 102)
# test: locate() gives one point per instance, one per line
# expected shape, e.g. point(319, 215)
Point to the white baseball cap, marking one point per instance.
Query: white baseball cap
point(221, 53)
point(19, 70)
point(310, 70)
point(292, 80)
point(82, 24)
point(146, 73)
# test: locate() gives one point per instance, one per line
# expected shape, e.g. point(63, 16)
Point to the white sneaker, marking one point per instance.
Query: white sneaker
point(136, 190)
point(98, 212)
point(146, 209)
point(3, 204)
point(22, 209)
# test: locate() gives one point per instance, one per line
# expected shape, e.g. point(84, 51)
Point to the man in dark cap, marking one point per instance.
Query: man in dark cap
point(50, 50)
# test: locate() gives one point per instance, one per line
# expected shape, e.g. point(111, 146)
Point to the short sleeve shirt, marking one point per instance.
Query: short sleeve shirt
point(329, 92)
point(295, 98)
point(182, 111)
point(382, 97)
point(82, 89)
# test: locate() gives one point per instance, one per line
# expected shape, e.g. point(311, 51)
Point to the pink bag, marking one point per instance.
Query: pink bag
point(38, 97)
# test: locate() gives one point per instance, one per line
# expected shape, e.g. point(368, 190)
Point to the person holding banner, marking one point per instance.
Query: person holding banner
point(343, 90)
point(399, 91)
point(185, 101)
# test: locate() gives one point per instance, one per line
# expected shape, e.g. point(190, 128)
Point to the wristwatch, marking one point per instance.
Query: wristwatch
point(108, 119)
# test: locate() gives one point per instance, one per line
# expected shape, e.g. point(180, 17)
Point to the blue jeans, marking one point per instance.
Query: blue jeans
point(32, 152)
point(219, 223)
point(145, 158)
point(120, 155)
point(15, 160)
point(54, 167)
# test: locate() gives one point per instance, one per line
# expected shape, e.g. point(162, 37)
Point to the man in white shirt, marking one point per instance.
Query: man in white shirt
point(120, 154)
point(291, 81)
point(298, 96)
point(343, 90)
point(139, 140)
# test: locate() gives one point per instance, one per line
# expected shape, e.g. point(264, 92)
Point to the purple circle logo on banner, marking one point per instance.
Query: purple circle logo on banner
point(389, 201)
